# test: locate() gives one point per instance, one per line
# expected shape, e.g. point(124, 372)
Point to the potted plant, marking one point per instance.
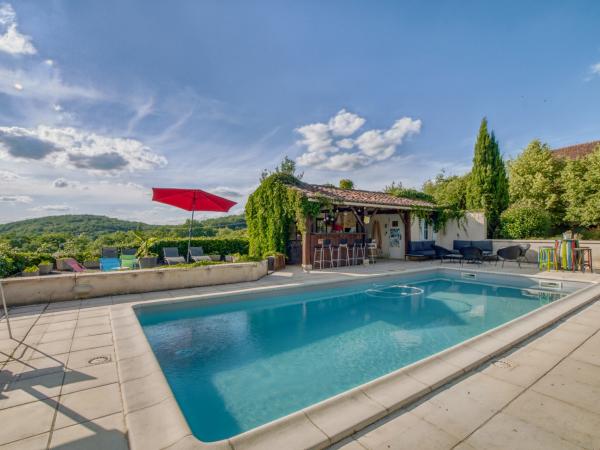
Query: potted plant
point(146, 258)
point(45, 267)
point(30, 271)
point(276, 261)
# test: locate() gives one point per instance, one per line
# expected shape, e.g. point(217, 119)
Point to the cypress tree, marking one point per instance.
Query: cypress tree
point(488, 184)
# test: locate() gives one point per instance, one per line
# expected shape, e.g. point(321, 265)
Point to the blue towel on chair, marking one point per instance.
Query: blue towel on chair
point(108, 264)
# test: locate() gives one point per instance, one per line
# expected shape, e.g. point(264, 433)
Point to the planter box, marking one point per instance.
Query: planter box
point(93, 265)
point(74, 286)
point(148, 262)
point(30, 274)
point(45, 269)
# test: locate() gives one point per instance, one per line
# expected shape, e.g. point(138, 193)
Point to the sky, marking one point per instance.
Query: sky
point(101, 101)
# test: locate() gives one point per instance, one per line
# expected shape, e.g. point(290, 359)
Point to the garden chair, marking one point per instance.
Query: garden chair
point(128, 258)
point(471, 254)
point(524, 249)
point(109, 259)
point(171, 256)
point(197, 254)
point(512, 253)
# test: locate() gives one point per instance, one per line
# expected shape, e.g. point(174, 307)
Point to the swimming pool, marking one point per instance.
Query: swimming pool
point(239, 362)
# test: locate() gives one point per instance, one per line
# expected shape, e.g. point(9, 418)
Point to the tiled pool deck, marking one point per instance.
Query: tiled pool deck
point(59, 384)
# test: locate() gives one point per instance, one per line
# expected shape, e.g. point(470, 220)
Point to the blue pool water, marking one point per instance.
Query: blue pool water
point(237, 365)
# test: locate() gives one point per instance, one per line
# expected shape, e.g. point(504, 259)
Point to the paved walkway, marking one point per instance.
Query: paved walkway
point(59, 385)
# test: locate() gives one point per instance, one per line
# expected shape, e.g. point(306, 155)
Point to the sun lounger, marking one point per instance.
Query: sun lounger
point(171, 256)
point(197, 254)
point(74, 265)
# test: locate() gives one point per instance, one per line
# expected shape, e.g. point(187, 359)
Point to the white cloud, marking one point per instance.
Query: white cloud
point(316, 137)
point(60, 183)
point(44, 83)
point(15, 199)
point(348, 153)
point(380, 144)
point(7, 176)
point(52, 208)
point(595, 69)
point(345, 123)
point(77, 149)
point(11, 40)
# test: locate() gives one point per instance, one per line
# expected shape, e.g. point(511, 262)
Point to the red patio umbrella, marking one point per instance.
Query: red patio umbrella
point(191, 200)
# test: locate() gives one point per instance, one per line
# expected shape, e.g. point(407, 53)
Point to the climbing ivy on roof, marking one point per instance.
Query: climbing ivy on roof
point(273, 208)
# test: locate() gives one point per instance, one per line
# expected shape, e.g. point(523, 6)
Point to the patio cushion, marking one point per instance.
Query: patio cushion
point(485, 246)
point(457, 244)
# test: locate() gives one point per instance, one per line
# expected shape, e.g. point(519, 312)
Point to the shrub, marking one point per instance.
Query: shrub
point(12, 261)
point(522, 222)
point(211, 246)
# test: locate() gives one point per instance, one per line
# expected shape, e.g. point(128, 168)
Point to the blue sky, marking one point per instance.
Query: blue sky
point(100, 101)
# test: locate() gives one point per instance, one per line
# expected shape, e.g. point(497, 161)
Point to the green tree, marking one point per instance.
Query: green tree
point(345, 183)
point(581, 184)
point(448, 191)
point(524, 222)
point(534, 180)
point(487, 189)
point(287, 166)
point(397, 190)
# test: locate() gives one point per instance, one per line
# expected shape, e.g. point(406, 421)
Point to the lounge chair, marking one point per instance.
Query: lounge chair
point(171, 256)
point(197, 254)
point(74, 265)
point(524, 249)
point(471, 254)
point(109, 259)
point(128, 258)
point(444, 254)
point(512, 253)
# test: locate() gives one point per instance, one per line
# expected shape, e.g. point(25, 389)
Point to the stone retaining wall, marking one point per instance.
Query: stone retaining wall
point(55, 288)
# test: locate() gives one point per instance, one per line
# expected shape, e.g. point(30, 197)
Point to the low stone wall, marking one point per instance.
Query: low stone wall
point(54, 288)
point(532, 254)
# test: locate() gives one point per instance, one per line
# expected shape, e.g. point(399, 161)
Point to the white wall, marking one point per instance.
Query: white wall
point(471, 228)
point(53, 288)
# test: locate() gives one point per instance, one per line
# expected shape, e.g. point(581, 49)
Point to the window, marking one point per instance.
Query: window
point(423, 230)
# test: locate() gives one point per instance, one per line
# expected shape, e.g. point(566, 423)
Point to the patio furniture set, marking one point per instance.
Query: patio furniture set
point(467, 251)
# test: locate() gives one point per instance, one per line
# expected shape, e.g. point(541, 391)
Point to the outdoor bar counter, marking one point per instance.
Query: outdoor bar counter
point(335, 238)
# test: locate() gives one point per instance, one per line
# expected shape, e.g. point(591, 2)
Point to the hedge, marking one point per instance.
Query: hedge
point(524, 222)
point(211, 246)
point(13, 262)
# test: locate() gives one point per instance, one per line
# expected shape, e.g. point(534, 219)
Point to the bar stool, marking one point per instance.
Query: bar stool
point(583, 256)
point(358, 252)
point(343, 246)
point(372, 250)
point(323, 246)
point(547, 258)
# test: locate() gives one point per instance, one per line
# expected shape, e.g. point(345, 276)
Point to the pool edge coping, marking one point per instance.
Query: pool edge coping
point(160, 422)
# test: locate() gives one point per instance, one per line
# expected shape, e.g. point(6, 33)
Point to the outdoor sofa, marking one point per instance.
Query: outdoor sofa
point(421, 249)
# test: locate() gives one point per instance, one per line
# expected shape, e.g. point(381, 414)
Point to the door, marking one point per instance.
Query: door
point(396, 238)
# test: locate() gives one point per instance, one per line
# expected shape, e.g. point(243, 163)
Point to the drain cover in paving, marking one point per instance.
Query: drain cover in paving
point(99, 360)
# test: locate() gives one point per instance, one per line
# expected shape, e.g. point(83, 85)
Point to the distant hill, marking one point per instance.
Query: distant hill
point(95, 226)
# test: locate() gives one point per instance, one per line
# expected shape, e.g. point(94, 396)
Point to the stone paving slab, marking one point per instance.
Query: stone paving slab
point(60, 387)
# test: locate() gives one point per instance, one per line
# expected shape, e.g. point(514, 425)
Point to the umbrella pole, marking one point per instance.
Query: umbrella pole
point(187, 257)
point(5, 311)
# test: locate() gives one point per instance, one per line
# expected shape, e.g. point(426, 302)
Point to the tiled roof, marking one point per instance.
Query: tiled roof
point(355, 196)
point(576, 151)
